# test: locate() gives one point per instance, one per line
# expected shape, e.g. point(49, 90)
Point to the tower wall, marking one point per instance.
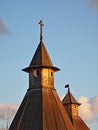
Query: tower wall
point(74, 109)
point(35, 78)
point(47, 78)
point(41, 77)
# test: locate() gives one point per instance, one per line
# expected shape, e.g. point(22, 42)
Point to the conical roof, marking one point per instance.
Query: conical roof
point(69, 98)
point(41, 59)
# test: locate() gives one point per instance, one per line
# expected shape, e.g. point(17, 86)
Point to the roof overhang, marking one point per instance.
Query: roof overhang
point(28, 69)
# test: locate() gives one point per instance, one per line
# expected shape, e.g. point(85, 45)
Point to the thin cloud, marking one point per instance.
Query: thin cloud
point(94, 104)
point(85, 109)
point(89, 108)
point(3, 29)
point(94, 3)
point(7, 112)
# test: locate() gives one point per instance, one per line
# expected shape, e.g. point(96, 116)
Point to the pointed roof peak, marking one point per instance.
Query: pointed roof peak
point(69, 98)
point(41, 58)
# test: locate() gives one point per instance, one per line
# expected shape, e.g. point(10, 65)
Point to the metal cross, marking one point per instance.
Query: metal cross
point(41, 25)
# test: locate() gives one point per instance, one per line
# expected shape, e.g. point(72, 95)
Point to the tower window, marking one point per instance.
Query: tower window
point(51, 73)
point(36, 73)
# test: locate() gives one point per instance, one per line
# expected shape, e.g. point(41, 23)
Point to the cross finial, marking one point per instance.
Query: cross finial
point(41, 25)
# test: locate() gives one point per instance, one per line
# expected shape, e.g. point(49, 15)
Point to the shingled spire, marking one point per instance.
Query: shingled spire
point(41, 57)
point(41, 108)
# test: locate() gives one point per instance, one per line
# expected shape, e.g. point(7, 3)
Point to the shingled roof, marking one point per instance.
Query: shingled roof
point(79, 124)
point(69, 99)
point(41, 59)
point(41, 108)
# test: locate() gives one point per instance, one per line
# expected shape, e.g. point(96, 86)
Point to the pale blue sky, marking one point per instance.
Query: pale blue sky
point(70, 36)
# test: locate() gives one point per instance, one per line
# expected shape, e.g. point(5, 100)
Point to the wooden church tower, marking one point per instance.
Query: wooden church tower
point(41, 108)
point(71, 106)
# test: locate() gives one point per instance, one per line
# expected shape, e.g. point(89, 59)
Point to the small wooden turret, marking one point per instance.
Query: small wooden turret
point(71, 106)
